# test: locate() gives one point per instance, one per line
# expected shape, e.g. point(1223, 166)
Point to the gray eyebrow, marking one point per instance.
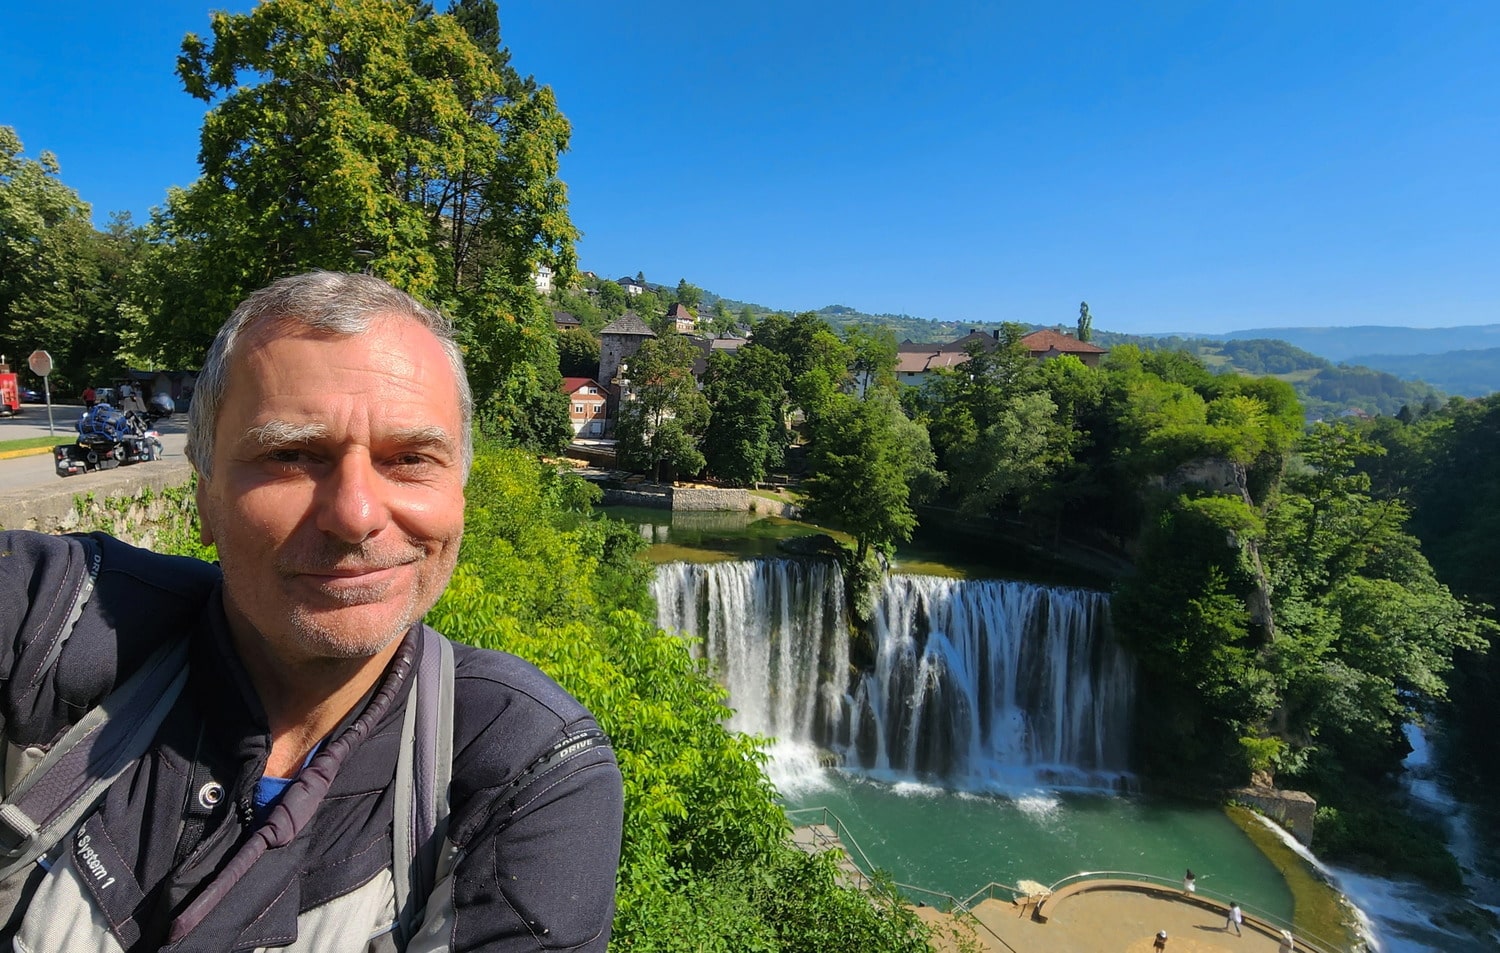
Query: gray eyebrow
point(426, 437)
point(280, 433)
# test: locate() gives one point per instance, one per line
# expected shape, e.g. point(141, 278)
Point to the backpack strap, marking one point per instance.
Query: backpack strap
point(424, 769)
point(55, 794)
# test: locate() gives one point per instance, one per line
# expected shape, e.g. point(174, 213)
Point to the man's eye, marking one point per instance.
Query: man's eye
point(284, 456)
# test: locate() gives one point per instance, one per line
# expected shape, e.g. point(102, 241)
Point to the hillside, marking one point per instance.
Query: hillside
point(1374, 385)
point(906, 326)
point(1349, 344)
point(1466, 373)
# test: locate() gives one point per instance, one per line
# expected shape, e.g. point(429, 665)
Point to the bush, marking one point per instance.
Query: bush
point(1381, 838)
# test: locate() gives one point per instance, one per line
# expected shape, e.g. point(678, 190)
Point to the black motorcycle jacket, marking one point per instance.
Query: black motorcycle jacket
point(164, 860)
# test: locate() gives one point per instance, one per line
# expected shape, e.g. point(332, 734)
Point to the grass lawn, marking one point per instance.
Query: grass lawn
point(29, 443)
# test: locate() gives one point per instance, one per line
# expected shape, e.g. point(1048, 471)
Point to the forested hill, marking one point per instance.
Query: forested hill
point(1352, 343)
point(1466, 373)
point(906, 326)
point(1325, 388)
point(1458, 360)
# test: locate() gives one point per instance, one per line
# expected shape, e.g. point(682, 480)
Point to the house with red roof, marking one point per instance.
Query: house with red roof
point(1049, 343)
point(914, 361)
point(682, 317)
point(587, 403)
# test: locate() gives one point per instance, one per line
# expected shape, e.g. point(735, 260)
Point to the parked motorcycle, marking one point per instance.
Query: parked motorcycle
point(109, 437)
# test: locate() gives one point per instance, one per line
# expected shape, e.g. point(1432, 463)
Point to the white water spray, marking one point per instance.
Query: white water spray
point(988, 684)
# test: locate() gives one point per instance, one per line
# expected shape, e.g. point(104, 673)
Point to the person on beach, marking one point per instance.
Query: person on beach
point(1189, 882)
point(1161, 941)
point(1235, 918)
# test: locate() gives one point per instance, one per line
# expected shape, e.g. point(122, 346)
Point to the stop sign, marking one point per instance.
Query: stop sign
point(40, 363)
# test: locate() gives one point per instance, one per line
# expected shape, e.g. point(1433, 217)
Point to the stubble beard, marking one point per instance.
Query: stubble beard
point(323, 633)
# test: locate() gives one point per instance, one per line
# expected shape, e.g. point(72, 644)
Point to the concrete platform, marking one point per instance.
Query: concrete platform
point(1111, 917)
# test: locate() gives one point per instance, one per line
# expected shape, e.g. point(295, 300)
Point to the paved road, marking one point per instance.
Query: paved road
point(22, 472)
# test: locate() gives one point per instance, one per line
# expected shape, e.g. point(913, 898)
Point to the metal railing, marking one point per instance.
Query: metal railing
point(851, 848)
point(1306, 941)
point(965, 907)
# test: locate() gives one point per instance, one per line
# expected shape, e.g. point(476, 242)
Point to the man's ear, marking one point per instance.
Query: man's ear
point(200, 496)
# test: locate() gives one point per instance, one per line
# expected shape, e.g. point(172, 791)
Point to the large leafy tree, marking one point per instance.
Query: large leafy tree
point(873, 356)
point(747, 433)
point(996, 427)
point(865, 458)
point(663, 415)
point(1367, 633)
point(384, 135)
point(817, 359)
point(60, 279)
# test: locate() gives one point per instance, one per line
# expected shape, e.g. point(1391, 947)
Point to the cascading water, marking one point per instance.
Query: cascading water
point(775, 630)
point(989, 684)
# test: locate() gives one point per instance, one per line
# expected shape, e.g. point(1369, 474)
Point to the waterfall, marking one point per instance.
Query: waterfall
point(987, 683)
point(776, 631)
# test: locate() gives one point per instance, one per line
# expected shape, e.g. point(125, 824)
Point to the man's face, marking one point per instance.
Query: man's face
point(336, 500)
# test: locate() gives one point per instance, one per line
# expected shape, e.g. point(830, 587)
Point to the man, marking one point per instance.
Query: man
point(331, 434)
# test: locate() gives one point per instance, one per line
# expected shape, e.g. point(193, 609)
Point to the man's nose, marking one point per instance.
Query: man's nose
point(352, 505)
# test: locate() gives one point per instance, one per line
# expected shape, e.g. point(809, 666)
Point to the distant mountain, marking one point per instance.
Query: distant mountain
point(1348, 344)
point(1323, 364)
point(906, 326)
point(1467, 373)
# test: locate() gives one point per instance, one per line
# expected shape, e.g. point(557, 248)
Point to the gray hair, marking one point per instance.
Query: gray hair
point(329, 302)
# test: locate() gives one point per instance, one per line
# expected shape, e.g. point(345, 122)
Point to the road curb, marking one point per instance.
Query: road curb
point(28, 452)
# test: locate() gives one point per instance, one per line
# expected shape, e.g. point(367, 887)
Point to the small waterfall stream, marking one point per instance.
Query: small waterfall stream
point(983, 684)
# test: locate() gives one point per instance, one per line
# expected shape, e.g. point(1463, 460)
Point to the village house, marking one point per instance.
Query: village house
point(587, 406)
point(631, 286)
point(543, 278)
point(682, 318)
point(565, 321)
point(1049, 343)
point(915, 362)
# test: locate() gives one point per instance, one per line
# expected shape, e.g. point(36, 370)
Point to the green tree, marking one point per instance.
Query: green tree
point(817, 359)
point(995, 426)
point(873, 356)
point(747, 397)
point(1184, 614)
point(689, 294)
point(61, 281)
point(724, 321)
point(578, 353)
point(613, 299)
point(863, 461)
point(1368, 632)
point(663, 414)
point(1085, 323)
point(381, 127)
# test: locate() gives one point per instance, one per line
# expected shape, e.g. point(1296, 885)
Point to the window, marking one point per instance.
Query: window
point(577, 408)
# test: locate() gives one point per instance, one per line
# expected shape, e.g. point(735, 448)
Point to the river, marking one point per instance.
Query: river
point(986, 739)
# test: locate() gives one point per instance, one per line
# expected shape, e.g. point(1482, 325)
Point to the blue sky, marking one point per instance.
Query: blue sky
point(1181, 166)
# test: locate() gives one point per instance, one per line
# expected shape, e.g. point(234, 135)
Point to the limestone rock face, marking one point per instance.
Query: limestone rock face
point(1293, 810)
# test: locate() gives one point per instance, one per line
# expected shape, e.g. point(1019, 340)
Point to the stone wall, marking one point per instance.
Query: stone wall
point(51, 507)
point(1293, 810)
point(657, 498)
point(691, 499)
point(709, 498)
